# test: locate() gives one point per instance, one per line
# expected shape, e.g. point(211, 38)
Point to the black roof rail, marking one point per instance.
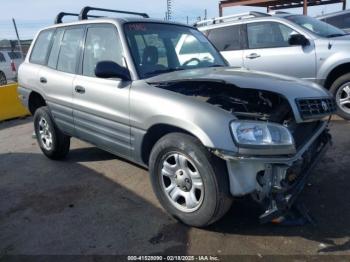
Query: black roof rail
point(58, 19)
point(84, 12)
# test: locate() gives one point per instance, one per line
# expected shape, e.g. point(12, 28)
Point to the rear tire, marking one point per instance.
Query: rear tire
point(3, 80)
point(205, 198)
point(53, 143)
point(341, 91)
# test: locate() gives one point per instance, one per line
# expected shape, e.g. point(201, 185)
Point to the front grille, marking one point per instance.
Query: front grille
point(316, 107)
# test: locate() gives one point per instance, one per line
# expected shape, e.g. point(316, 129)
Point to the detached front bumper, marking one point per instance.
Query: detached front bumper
point(276, 182)
point(284, 193)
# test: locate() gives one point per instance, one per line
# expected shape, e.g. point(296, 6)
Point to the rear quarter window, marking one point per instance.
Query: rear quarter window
point(41, 47)
point(226, 38)
point(53, 56)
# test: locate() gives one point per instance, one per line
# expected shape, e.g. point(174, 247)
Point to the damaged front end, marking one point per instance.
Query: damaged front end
point(274, 174)
point(276, 181)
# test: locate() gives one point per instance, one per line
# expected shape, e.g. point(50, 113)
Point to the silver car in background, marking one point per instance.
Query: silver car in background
point(287, 44)
point(9, 63)
point(206, 132)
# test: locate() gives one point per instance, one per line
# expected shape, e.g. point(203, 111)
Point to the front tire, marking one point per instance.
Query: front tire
point(190, 182)
point(341, 91)
point(53, 143)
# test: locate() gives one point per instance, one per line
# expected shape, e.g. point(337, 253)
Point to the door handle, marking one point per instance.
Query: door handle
point(43, 80)
point(79, 89)
point(253, 56)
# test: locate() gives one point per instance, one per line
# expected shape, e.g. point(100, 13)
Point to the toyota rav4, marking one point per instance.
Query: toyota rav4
point(207, 132)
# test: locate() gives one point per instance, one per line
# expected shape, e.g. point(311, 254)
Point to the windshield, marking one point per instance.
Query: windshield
point(316, 26)
point(159, 48)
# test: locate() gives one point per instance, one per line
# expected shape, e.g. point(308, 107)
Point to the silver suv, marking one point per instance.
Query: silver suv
point(288, 44)
point(207, 132)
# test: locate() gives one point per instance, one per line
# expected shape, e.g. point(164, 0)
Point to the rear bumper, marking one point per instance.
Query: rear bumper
point(23, 95)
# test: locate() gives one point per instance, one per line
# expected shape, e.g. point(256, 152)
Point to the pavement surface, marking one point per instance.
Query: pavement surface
point(96, 203)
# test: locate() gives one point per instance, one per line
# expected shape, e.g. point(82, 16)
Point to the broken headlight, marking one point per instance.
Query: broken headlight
point(257, 133)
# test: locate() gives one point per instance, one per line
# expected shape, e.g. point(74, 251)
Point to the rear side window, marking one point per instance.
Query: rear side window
point(41, 47)
point(2, 58)
point(70, 49)
point(53, 57)
point(102, 43)
point(226, 38)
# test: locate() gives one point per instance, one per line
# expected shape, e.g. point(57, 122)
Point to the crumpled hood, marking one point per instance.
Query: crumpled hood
point(289, 87)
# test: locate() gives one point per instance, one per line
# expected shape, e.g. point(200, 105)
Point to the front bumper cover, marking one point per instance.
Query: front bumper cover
point(281, 195)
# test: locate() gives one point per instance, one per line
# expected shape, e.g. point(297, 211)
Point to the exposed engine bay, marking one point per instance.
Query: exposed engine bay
point(248, 104)
point(243, 103)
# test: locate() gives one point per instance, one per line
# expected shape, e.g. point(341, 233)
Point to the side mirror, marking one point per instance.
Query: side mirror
point(109, 69)
point(298, 39)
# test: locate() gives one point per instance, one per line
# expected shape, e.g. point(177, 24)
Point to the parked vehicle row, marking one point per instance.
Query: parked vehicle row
point(207, 132)
point(287, 44)
point(9, 62)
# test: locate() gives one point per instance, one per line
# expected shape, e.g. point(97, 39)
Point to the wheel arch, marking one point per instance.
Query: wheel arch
point(35, 101)
point(335, 73)
point(2, 72)
point(156, 132)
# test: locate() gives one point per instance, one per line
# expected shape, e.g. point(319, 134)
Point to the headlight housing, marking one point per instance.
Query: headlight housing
point(261, 134)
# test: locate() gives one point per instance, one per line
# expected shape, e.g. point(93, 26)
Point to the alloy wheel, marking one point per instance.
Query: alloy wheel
point(181, 182)
point(343, 97)
point(45, 134)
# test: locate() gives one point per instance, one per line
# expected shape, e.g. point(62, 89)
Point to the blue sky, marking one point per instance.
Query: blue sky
point(31, 15)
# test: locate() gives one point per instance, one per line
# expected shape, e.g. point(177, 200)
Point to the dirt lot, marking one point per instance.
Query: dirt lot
point(95, 203)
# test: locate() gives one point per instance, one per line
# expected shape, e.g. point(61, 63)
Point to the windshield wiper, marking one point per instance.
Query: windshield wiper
point(334, 35)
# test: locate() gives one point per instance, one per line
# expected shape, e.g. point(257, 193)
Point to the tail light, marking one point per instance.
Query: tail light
point(13, 66)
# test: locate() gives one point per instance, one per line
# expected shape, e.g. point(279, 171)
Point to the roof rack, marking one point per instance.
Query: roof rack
point(59, 17)
point(84, 12)
point(230, 18)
